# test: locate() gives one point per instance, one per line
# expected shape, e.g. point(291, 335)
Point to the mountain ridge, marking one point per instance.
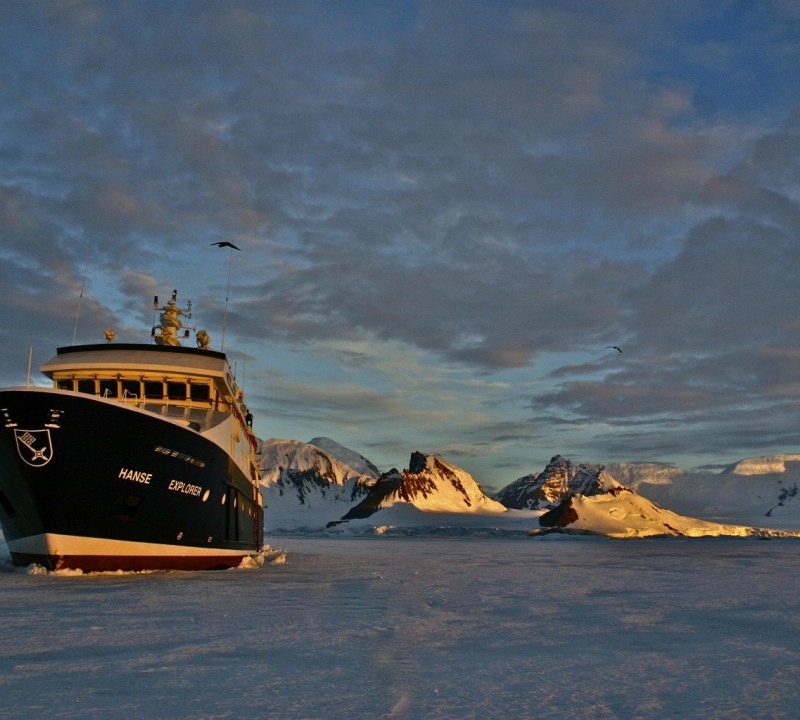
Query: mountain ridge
point(314, 485)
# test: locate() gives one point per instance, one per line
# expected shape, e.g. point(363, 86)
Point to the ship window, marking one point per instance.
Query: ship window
point(153, 389)
point(201, 392)
point(130, 389)
point(86, 386)
point(176, 390)
point(64, 384)
point(108, 388)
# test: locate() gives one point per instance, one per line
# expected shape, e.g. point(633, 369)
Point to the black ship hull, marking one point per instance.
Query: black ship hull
point(93, 484)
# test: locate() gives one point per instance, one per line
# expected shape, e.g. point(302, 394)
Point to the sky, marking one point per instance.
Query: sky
point(447, 211)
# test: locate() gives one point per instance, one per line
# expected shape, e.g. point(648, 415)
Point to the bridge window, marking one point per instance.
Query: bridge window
point(153, 389)
point(200, 393)
point(130, 388)
point(108, 388)
point(176, 390)
point(86, 386)
point(64, 384)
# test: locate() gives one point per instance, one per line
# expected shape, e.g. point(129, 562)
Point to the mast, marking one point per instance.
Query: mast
point(221, 244)
point(227, 291)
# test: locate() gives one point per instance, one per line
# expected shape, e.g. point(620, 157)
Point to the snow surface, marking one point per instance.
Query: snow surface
point(410, 628)
point(411, 613)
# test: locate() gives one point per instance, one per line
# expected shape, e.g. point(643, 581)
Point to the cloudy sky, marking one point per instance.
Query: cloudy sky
point(447, 210)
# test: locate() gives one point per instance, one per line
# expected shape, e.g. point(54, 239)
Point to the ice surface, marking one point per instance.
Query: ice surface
point(417, 627)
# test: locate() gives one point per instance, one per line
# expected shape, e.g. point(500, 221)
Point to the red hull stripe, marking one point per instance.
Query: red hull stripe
point(110, 563)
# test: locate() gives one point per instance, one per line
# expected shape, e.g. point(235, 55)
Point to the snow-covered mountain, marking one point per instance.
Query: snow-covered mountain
point(312, 485)
point(760, 491)
point(620, 512)
point(630, 474)
point(559, 479)
point(309, 486)
point(304, 486)
point(430, 484)
point(351, 458)
point(766, 465)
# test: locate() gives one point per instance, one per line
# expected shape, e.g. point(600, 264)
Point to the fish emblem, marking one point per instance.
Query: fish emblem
point(35, 447)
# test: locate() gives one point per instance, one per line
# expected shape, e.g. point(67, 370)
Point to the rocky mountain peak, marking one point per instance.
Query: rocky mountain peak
point(430, 483)
point(560, 479)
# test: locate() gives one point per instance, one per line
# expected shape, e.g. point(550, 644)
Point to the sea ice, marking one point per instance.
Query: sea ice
point(416, 627)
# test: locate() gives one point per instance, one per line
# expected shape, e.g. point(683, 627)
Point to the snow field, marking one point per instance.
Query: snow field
point(417, 627)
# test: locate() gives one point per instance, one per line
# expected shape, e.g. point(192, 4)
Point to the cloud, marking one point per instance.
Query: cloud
point(480, 190)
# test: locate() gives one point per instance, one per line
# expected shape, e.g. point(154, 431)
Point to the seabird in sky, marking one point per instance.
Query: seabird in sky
point(225, 243)
point(613, 347)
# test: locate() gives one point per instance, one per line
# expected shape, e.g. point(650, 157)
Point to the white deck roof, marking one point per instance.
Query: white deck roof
point(142, 359)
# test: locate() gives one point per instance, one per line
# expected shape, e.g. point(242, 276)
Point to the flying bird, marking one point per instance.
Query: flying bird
point(225, 243)
point(613, 347)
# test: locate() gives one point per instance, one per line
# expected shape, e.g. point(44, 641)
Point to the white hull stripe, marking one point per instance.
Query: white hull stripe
point(66, 545)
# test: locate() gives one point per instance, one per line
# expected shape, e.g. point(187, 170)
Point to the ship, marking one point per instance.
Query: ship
point(139, 456)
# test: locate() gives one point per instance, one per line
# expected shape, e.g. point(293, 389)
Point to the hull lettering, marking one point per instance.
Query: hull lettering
point(139, 476)
point(185, 488)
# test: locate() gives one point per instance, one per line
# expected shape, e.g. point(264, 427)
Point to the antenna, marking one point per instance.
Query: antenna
point(153, 324)
point(30, 362)
point(80, 301)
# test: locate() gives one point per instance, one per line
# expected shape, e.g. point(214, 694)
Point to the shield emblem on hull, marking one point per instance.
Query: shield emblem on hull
point(35, 447)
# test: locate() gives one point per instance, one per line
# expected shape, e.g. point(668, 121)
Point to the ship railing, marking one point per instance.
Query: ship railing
point(197, 418)
point(186, 404)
